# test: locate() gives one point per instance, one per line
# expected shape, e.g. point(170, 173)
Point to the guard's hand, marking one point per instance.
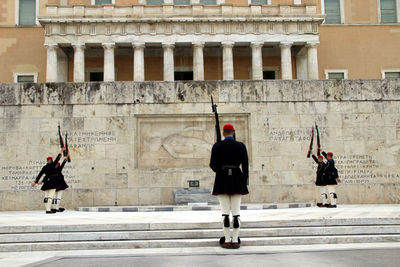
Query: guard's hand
point(339, 181)
point(62, 150)
point(33, 184)
point(40, 182)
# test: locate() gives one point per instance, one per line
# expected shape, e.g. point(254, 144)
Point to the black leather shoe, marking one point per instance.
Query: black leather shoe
point(50, 211)
point(54, 210)
point(60, 210)
point(226, 245)
point(331, 206)
point(235, 245)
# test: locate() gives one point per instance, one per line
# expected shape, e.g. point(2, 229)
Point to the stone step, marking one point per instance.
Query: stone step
point(176, 243)
point(101, 227)
point(192, 207)
point(199, 233)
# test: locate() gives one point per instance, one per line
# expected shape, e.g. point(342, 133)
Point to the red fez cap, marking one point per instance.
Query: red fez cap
point(320, 157)
point(228, 127)
point(58, 164)
point(49, 158)
point(330, 153)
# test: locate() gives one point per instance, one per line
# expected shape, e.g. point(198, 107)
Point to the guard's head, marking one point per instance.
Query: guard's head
point(49, 159)
point(320, 158)
point(58, 164)
point(329, 155)
point(228, 130)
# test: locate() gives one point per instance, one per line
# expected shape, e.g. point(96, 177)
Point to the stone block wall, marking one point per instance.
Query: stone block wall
point(133, 143)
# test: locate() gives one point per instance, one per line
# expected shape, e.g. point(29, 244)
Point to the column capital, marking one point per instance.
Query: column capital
point(108, 45)
point(198, 44)
point(51, 45)
point(312, 44)
point(138, 45)
point(285, 44)
point(78, 45)
point(227, 44)
point(168, 45)
point(257, 44)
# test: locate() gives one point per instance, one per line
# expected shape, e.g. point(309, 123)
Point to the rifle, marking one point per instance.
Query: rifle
point(311, 142)
point(318, 142)
point(217, 128)
point(61, 139)
point(66, 146)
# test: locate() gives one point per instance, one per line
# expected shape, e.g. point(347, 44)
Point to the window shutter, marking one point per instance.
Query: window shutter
point(181, 2)
point(155, 2)
point(101, 2)
point(388, 11)
point(336, 75)
point(208, 2)
point(332, 10)
point(25, 79)
point(27, 12)
point(262, 2)
point(392, 75)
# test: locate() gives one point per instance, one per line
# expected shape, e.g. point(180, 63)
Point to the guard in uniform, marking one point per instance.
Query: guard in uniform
point(62, 186)
point(50, 181)
point(331, 177)
point(230, 182)
point(320, 182)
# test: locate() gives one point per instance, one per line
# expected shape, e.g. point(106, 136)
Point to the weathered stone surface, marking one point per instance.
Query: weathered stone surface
point(185, 196)
point(134, 143)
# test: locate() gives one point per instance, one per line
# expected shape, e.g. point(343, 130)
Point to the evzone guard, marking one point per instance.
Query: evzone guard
point(327, 174)
point(230, 182)
point(61, 187)
point(50, 181)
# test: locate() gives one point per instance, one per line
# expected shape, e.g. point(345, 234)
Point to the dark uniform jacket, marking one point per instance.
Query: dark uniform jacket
point(50, 181)
point(62, 184)
point(226, 157)
point(330, 171)
point(320, 172)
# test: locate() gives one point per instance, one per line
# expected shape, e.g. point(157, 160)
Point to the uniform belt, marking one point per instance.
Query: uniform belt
point(229, 167)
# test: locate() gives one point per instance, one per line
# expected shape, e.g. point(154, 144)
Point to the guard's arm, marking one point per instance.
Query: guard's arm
point(324, 154)
point(214, 159)
point(245, 164)
point(315, 159)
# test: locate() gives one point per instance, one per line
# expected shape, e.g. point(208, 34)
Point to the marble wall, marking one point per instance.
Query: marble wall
point(133, 143)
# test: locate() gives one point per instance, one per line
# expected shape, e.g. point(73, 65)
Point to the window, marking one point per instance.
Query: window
point(183, 76)
point(336, 74)
point(390, 74)
point(181, 2)
point(26, 12)
point(333, 11)
point(155, 2)
point(102, 2)
point(262, 2)
point(25, 77)
point(208, 2)
point(297, 2)
point(269, 75)
point(96, 76)
point(388, 11)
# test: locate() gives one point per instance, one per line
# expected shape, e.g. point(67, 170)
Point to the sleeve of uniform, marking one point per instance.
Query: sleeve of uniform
point(39, 175)
point(315, 159)
point(56, 160)
point(324, 154)
point(245, 162)
point(63, 164)
point(213, 159)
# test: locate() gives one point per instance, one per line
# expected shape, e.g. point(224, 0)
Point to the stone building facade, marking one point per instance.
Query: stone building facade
point(134, 143)
point(156, 40)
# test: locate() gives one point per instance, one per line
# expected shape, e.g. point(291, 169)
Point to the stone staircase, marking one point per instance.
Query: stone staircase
point(207, 234)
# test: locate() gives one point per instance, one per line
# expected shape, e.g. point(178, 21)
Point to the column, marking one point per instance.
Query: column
point(169, 68)
point(138, 61)
point(198, 61)
point(79, 62)
point(52, 63)
point(301, 67)
point(312, 60)
point(227, 60)
point(256, 61)
point(286, 60)
point(109, 69)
